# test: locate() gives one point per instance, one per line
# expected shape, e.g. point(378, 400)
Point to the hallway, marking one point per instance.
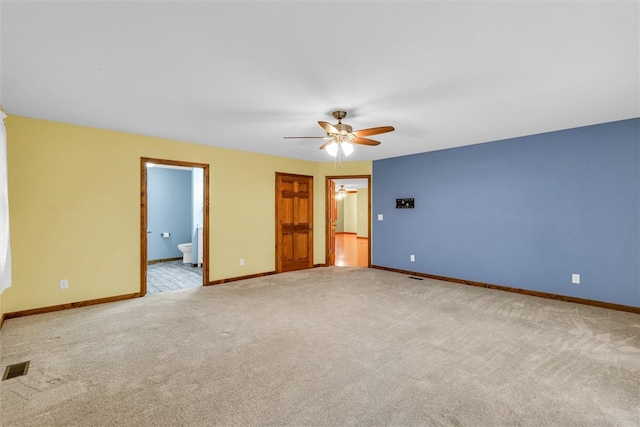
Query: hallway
point(351, 251)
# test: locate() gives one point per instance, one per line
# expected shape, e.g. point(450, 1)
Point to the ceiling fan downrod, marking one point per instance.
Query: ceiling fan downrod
point(343, 129)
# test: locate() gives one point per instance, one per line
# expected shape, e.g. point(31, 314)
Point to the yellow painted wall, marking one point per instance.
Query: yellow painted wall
point(363, 209)
point(74, 198)
point(1, 305)
point(340, 219)
point(346, 168)
point(350, 213)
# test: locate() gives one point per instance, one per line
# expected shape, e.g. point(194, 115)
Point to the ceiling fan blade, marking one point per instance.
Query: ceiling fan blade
point(328, 127)
point(373, 131)
point(364, 141)
point(306, 137)
point(326, 143)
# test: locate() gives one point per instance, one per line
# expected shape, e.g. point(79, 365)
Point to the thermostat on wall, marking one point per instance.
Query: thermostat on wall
point(404, 203)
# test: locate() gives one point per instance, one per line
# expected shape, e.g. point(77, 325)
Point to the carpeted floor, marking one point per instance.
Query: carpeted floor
point(328, 346)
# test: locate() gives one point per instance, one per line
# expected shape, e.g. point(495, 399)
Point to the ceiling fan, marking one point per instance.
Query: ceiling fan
point(342, 135)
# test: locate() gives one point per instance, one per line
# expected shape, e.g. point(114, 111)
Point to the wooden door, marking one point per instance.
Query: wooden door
point(332, 218)
point(294, 222)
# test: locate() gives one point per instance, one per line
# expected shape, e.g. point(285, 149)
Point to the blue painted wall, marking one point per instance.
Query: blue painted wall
point(169, 199)
point(525, 212)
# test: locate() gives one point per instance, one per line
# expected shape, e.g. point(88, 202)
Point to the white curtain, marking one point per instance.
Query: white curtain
point(5, 249)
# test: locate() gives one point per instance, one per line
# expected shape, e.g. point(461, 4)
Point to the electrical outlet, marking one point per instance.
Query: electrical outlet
point(64, 284)
point(241, 261)
point(413, 258)
point(575, 279)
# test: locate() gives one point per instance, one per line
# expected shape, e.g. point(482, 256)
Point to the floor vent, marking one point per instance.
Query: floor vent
point(16, 370)
point(416, 278)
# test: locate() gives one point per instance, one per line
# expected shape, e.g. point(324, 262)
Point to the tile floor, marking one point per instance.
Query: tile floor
point(171, 276)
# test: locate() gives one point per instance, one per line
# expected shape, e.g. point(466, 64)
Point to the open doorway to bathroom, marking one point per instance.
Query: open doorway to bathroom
point(174, 218)
point(348, 221)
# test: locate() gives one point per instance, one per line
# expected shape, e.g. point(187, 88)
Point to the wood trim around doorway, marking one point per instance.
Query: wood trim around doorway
point(327, 207)
point(143, 216)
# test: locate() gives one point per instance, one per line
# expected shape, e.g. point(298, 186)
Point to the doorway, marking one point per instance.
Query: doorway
point(201, 250)
point(348, 220)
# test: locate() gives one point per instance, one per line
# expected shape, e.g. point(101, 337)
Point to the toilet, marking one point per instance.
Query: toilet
point(187, 251)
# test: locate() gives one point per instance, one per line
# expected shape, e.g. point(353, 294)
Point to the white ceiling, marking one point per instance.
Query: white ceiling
point(351, 184)
point(244, 74)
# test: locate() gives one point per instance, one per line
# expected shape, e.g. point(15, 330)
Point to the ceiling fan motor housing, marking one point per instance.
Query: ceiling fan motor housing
point(343, 128)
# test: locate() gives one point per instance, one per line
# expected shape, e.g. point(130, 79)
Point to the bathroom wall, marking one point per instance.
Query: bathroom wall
point(198, 208)
point(169, 198)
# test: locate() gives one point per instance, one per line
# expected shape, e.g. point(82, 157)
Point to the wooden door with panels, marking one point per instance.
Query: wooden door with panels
point(294, 222)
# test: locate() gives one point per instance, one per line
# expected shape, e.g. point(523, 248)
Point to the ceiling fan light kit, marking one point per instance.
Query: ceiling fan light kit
point(332, 148)
point(347, 147)
point(342, 137)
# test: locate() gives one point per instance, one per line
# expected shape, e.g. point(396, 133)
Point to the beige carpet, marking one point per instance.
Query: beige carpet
point(329, 346)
